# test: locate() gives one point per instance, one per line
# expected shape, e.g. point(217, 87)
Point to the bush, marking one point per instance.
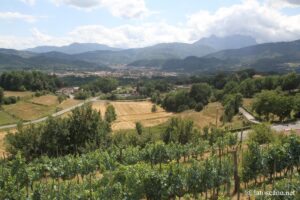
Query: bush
point(10, 100)
point(41, 93)
point(154, 108)
point(61, 98)
point(82, 95)
point(182, 108)
point(199, 107)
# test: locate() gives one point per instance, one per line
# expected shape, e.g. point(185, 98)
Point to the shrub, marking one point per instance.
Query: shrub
point(154, 108)
point(199, 107)
point(10, 100)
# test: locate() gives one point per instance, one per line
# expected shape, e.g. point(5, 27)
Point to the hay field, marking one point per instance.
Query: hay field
point(28, 111)
point(128, 113)
point(206, 117)
point(18, 94)
point(47, 100)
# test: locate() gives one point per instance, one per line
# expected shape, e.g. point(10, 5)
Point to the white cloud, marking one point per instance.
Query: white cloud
point(120, 8)
point(37, 38)
point(264, 23)
point(131, 36)
point(17, 16)
point(29, 2)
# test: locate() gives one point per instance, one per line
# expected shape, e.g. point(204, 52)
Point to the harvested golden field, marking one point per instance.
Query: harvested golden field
point(207, 116)
point(47, 100)
point(18, 94)
point(210, 115)
point(128, 113)
point(28, 111)
point(69, 103)
point(2, 145)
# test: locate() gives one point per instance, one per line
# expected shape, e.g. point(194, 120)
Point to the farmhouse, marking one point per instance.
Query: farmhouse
point(67, 90)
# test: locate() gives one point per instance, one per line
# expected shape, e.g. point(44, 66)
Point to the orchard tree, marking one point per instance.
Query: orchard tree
point(154, 185)
point(252, 162)
point(179, 131)
point(261, 134)
point(176, 181)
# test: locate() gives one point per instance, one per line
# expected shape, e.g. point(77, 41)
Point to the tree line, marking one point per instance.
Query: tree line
point(271, 104)
point(84, 130)
point(29, 80)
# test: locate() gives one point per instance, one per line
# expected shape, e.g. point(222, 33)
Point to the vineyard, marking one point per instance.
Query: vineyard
point(186, 162)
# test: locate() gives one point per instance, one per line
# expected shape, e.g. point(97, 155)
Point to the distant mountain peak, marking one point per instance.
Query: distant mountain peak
point(228, 42)
point(73, 48)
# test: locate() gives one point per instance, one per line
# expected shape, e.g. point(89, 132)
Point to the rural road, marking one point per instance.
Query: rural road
point(53, 115)
point(277, 127)
point(248, 116)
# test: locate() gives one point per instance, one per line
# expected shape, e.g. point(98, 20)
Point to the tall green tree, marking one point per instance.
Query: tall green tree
point(1, 95)
point(110, 113)
point(139, 128)
point(201, 92)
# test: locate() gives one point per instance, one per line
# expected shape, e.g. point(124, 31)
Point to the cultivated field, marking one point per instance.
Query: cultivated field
point(31, 108)
point(5, 118)
point(47, 100)
point(18, 94)
point(128, 113)
point(28, 111)
point(69, 103)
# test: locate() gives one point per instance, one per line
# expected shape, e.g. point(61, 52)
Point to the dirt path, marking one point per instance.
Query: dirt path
point(277, 127)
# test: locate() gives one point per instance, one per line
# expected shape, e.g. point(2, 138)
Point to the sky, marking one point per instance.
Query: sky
point(139, 23)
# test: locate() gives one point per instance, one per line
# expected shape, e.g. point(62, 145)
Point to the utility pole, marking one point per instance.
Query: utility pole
point(236, 175)
point(217, 117)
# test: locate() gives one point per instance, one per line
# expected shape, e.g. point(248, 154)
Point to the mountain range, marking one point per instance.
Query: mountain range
point(275, 57)
point(207, 54)
point(73, 48)
point(229, 42)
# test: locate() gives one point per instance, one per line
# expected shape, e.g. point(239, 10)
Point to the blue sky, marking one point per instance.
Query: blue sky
point(137, 23)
